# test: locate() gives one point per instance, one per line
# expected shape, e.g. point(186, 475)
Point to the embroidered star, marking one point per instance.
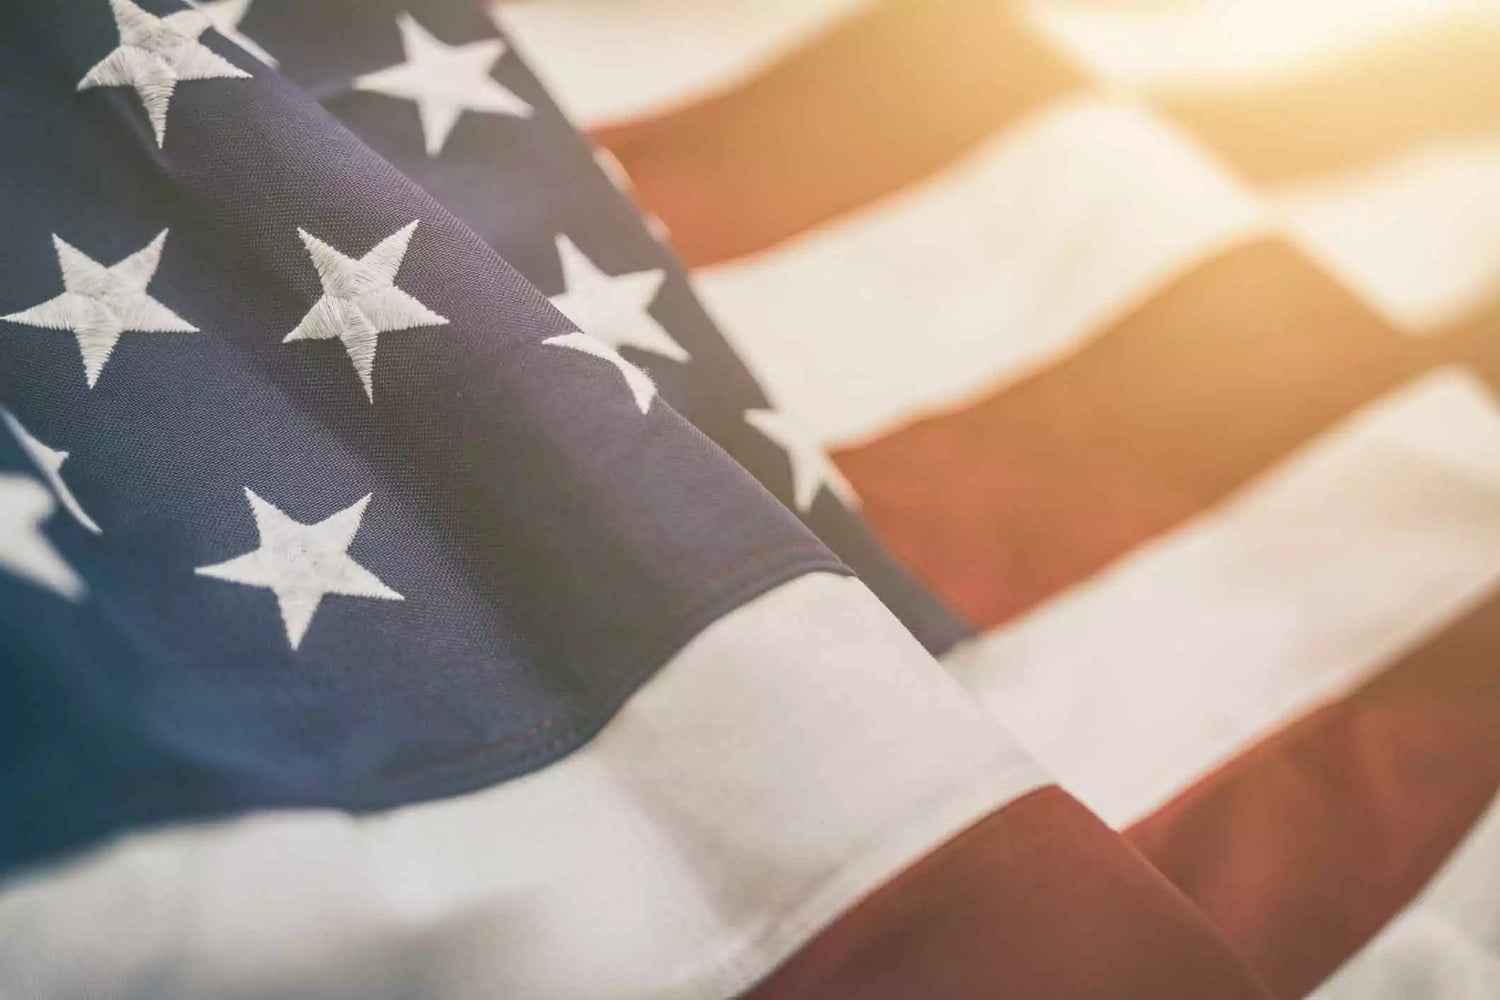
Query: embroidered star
point(811, 467)
point(444, 81)
point(613, 308)
point(226, 15)
point(302, 563)
point(361, 301)
point(49, 462)
point(154, 54)
point(100, 303)
point(24, 550)
point(639, 382)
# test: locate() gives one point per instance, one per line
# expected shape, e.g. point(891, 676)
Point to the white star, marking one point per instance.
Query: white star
point(154, 54)
point(361, 301)
point(302, 563)
point(100, 303)
point(613, 308)
point(811, 467)
point(639, 382)
point(226, 16)
point(49, 461)
point(24, 550)
point(444, 80)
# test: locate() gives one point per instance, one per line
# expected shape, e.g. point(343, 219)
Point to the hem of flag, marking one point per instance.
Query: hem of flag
point(490, 764)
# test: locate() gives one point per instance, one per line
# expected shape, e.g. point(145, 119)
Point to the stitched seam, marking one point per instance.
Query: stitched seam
point(596, 711)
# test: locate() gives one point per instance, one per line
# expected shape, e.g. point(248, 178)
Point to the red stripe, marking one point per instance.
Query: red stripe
point(1221, 374)
point(1039, 900)
point(1306, 845)
point(883, 99)
point(1440, 85)
point(904, 88)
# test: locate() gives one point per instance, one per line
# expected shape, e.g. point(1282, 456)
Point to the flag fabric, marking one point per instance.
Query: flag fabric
point(1160, 340)
point(386, 609)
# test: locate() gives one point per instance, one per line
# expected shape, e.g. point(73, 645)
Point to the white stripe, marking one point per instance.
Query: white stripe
point(1418, 237)
point(1006, 261)
point(1446, 945)
point(607, 61)
point(792, 757)
point(1228, 44)
point(1374, 537)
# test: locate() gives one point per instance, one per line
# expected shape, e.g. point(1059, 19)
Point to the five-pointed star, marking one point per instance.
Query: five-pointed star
point(444, 80)
point(361, 301)
point(24, 550)
point(226, 16)
point(100, 303)
point(641, 386)
point(613, 308)
point(154, 54)
point(811, 467)
point(49, 461)
point(302, 563)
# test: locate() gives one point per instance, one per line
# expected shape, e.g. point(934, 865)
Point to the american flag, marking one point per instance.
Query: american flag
point(408, 590)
